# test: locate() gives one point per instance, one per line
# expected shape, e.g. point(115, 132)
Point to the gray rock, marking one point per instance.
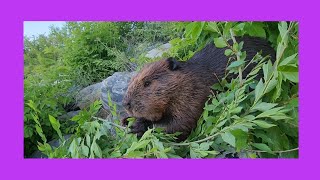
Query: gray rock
point(102, 113)
point(116, 85)
point(68, 116)
point(88, 95)
point(158, 52)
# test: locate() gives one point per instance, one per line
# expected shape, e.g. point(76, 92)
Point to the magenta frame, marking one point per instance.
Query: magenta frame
point(14, 166)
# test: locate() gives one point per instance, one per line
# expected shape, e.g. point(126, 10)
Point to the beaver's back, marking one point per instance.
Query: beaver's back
point(212, 60)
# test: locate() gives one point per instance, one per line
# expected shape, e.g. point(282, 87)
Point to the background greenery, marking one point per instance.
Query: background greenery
point(243, 118)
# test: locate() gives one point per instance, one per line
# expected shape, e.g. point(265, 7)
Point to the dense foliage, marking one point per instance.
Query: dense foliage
point(244, 117)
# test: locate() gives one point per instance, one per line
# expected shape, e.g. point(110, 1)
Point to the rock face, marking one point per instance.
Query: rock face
point(88, 95)
point(157, 52)
point(116, 85)
point(68, 115)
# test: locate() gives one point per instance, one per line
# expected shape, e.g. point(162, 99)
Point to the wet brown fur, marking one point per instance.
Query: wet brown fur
point(172, 94)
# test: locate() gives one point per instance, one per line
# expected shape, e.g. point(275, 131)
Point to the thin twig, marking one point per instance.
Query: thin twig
point(238, 57)
point(283, 151)
point(218, 80)
point(111, 123)
point(198, 141)
point(201, 140)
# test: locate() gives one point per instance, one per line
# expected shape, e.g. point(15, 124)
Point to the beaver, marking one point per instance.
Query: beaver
point(171, 94)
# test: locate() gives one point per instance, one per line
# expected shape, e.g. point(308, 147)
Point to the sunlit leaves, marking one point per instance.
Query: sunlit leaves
point(219, 42)
point(56, 126)
point(194, 29)
point(229, 138)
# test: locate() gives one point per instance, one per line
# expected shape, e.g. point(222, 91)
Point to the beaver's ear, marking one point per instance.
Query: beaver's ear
point(173, 63)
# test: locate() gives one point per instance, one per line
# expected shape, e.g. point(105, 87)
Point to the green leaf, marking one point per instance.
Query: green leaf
point(212, 152)
point(115, 154)
point(138, 145)
point(239, 27)
point(35, 117)
point(213, 26)
point(294, 102)
point(293, 77)
point(241, 138)
point(193, 154)
point(274, 113)
point(226, 29)
point(219, 42)
point(228, 52)
point(135, 154)
point(279, 140)
point(205, 146)
point(158, 144)
point(236, 110)
point(88, 140)
point(252, 155)
point(45, 148)
point(282, 26)
point(235, 64)
point(267, 70)
point(243, 55)
point(289, 60)
point(263, 106)
point(289, 72)
point(28, 131)
point(85, 150)
point(271, 85)
point(229, 138)
point(56, 126)
point(262, 147)
point(194, 29)
point(288, 68)
point(96, 149)
point(40, 133)
point(241, 46)
point(263, 124)
point(281, 47)
point(221, 123)
point(259, 90)
point(73, 148)
point(32, 105)
point(146, 134)
point(256, 29)
point(278, 90)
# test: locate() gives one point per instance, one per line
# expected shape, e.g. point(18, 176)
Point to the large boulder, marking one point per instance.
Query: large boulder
point(158, 52)
point(88, 95)
point(116, 85)
point(68, 115)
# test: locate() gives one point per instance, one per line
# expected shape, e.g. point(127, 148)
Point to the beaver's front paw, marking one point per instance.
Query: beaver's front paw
point(124, 121)
point(140, 126)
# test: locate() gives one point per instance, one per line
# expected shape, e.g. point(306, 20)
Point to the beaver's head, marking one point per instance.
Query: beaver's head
point(151, 90)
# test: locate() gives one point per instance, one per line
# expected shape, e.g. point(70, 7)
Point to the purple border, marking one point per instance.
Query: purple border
point(12, 15)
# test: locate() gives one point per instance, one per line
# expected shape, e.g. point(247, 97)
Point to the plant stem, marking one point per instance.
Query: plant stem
point(111, 123)
point(238, 57)
point(283, 151)
point(201, 140)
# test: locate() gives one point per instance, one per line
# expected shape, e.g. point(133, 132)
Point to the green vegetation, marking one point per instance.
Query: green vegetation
point(243, 118)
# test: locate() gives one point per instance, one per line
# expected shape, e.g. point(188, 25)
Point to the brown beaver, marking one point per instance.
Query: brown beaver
point(172, 94)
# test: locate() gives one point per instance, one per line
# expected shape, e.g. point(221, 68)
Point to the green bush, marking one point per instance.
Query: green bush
point(46, 85)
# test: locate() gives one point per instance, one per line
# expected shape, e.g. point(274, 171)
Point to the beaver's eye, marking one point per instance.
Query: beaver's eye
point(147, 83)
